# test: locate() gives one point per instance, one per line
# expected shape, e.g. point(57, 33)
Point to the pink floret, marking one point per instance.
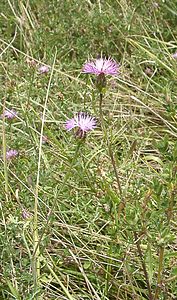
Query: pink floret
point(101, 66)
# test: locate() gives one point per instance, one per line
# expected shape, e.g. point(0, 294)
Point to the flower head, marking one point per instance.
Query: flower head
point(43, 69)
point(9, 114)
point(11, 154)
point(148, 71)
point(174, 55)
point(101, 66)
point(44, 139)
point(26, 214)
point(83, 121)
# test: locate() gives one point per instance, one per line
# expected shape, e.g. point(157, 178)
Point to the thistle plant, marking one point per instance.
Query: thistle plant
point(101, 68)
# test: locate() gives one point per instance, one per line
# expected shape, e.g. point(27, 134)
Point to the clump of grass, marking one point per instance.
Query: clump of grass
point(80, 242)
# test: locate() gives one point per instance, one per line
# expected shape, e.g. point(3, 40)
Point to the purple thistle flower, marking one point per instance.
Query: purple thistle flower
point(174, 55)
point(43, 69)
point(26, 214)
point(44, 139)
point(9, 114)
point(101, 66)
point(83, 121)
point(11, 154)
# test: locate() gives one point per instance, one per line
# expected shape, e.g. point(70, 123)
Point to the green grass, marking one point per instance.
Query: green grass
point(85, 243)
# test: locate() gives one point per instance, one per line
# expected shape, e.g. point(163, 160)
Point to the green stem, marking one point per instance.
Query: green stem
point(171, 204)
point(109, 145)
point(69, 296)
point(137, 241)
point(36, 248)
point(159, 276)
point(55, 201)
point(31, 83)
point(4, 153)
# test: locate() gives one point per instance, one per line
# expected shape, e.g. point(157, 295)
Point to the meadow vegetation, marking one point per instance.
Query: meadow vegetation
point(94, 217)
